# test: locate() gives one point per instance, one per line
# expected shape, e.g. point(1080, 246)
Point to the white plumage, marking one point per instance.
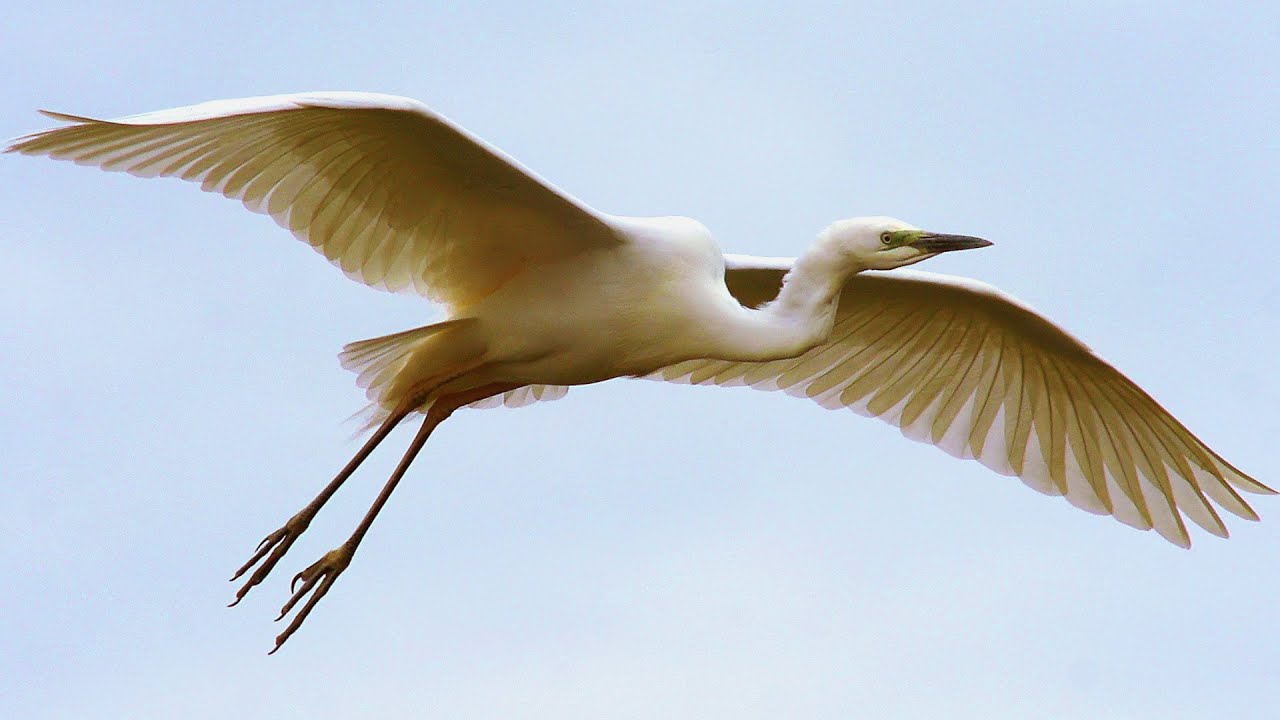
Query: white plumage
point(543, 292)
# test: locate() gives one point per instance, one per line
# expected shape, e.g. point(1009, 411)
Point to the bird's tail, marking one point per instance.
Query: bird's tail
point(390, 367)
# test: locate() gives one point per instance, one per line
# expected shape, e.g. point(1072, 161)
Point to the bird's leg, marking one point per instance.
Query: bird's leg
point(321, 575)
point(279, 542)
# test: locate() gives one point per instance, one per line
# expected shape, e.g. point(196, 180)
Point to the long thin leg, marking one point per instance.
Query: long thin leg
point(321, 575)
point(279, 542)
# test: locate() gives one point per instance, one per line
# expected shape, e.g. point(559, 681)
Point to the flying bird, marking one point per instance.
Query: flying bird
point(542, 292)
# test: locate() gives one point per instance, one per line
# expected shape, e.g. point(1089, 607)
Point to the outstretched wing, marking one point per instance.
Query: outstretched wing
point(965, 367)
point(392, 193)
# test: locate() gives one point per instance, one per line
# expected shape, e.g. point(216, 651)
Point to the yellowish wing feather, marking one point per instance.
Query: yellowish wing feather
point(395, 195)
point(962, 366)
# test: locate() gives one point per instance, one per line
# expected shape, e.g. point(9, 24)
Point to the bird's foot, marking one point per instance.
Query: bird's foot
point(318, 578)
point(277, 544)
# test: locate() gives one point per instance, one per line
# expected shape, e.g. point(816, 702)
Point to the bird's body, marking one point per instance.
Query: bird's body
point(658, 299)
point(634, 292)
point(541, 292)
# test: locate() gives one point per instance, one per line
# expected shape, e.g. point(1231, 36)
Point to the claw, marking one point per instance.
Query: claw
point(318, 577)
point(258, 549)
point(293, 585)
point(277, 544)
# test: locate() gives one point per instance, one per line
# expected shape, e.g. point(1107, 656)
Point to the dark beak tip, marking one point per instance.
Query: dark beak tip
point(939, 243)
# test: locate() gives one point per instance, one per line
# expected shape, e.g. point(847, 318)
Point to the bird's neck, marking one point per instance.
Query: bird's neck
point(800, 317)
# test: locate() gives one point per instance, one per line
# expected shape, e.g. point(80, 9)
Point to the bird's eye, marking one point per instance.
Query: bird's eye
point(886, 238)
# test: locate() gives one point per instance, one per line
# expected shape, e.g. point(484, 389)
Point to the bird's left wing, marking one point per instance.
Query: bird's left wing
point(963, 366)
point(394, 194)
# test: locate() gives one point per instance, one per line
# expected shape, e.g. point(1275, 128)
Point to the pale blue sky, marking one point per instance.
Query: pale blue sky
point(639, 550)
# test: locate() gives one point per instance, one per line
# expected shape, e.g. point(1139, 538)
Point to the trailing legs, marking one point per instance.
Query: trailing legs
point(279, 542)
point(320, 576)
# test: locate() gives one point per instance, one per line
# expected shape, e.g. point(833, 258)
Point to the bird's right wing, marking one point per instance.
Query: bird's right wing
point(395, 195)
point(963, 366)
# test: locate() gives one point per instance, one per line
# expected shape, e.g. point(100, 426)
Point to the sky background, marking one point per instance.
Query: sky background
point(171, 392)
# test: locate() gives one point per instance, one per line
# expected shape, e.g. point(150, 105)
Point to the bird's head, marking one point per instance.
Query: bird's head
point(884, 243)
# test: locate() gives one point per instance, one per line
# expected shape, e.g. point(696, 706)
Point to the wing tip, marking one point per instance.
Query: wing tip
point(22, 143)
point(1255, 487)
point(1219, 532)
point(66, 117)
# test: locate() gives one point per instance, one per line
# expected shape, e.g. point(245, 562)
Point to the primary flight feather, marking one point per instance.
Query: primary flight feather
point(542, 292)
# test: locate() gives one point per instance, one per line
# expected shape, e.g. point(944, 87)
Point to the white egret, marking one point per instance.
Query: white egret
point(543, 292)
